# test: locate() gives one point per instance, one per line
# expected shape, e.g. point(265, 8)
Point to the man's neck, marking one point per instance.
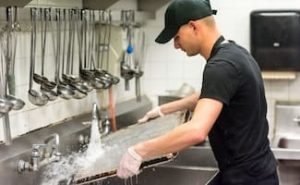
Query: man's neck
point(210, 42)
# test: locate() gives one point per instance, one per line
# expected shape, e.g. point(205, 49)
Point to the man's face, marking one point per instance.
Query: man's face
point(185, 39)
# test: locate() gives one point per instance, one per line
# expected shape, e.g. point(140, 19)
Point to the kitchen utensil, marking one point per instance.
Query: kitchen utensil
point(34, 96)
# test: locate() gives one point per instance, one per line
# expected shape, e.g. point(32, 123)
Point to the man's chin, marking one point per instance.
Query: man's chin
point(191, 54)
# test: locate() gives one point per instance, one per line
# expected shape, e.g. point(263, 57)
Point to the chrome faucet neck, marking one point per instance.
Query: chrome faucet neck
point(95, 112)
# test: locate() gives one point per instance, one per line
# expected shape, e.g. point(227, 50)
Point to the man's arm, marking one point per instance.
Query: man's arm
point(185, 135)
point(188, 102)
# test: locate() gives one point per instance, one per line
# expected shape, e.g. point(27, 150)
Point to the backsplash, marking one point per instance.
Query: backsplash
point(33, 117)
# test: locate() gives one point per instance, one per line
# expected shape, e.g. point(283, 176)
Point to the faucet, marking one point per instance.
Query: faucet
point(52, 149)
point(95, 112)
point(104, 124)
point(104, 128)
point(42, 154)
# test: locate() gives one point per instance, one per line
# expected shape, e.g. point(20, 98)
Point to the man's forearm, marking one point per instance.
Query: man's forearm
point(188, 102)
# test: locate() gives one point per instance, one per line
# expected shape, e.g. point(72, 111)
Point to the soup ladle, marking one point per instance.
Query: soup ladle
point(36, 77)
point(5, 105)
point(34, 96)
point(63, 90)
point(51, 94)
point(45, 19)
point(17, 102)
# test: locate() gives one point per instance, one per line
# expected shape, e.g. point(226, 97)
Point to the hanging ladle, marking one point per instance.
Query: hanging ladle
point(69, 78)
point(78, 93)
point(100, 81)
point(10, 57)
point(34, 96)
point(107, 20)
point(88, 74)
point(40, 79)
point(5, 105)
point(47, 86)
point(63, 90)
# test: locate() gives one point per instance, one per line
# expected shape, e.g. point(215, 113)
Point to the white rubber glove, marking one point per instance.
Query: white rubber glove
point(129, 164)
point(154, 113)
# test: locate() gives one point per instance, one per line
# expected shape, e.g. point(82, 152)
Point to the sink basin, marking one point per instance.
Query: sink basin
point(195, 156)
point(192, 166)
point(163, 175)
point(288, 151)
point(289, 143)
point(288, 155)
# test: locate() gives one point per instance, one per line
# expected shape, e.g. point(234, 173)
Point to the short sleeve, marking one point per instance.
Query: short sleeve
point(220, 81)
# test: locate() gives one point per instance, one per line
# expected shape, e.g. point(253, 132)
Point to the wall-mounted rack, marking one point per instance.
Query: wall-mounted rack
point(142, 5)
point(18, 3)
point(23, 16)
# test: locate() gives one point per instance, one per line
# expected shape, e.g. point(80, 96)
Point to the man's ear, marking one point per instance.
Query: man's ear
point(194, 25)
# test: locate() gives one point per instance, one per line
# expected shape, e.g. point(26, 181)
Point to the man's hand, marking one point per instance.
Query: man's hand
point(154, 113)
point(129, 164)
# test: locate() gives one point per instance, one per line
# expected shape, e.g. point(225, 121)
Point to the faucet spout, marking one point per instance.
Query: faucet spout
point(52, 141)
point(95, 112)
point(53, 138)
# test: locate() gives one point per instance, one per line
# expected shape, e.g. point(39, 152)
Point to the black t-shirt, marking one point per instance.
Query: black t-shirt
point(239, 137)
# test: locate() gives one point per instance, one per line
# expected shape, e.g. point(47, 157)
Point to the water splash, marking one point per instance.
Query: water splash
point(63, 170)
point(95, 146)
point(103, 156)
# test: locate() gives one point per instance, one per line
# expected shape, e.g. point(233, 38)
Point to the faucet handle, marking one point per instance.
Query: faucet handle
point(23, 165)
point(38, 146)
point(52, 137)
point(57, 156)
point(106, 121)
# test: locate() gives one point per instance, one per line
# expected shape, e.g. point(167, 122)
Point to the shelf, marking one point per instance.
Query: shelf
point(150, 5)
point(98, 5)
point(18, 3)
point(279, 75)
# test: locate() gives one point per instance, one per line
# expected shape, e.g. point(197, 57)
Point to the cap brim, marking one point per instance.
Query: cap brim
point(166, 35)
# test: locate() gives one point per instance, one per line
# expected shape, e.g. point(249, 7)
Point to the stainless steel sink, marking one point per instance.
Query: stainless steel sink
point(288, 155)
point(287, 149)
point(291, 143)
point(290, 150)
point(195, 156)
point(286, 142)
point(165, 175)
point(192, 166)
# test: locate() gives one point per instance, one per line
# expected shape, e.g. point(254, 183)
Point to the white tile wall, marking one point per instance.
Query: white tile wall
point(32, 117)
point(173, 67)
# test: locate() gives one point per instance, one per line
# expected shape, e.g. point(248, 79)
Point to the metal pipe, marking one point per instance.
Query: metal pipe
point(6, 128)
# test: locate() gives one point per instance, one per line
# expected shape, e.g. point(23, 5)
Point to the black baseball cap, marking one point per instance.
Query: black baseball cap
point(179, 13)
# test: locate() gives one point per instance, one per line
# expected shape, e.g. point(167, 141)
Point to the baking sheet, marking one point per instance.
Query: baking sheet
point(117, 143)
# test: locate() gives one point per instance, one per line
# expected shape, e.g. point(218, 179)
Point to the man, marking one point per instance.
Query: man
point(231, 108)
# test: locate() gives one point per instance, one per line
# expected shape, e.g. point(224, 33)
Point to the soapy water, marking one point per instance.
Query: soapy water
point(103, 155)
point(61, 172)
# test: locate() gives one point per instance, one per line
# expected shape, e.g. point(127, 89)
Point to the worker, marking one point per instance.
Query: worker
point(231, 108)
